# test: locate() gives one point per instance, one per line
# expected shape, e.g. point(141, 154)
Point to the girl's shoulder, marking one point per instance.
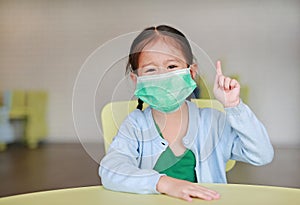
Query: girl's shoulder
point(206, 111)
point(206, 118)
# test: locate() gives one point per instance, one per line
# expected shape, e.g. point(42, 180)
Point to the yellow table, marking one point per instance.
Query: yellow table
point(230, 194)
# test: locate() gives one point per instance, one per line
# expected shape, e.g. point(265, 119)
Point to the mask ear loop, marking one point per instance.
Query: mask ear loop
point(190, 96)
point(189, 67)
point(140, 102)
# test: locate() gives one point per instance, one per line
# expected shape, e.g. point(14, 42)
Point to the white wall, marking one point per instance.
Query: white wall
point(43, 45)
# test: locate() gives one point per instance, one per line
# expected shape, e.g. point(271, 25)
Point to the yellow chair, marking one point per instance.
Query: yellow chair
point(16, 101)
point(30, 106)
point(114, 113)
point(36, 129)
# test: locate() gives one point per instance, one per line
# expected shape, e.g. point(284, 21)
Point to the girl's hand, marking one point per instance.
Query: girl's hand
point(226, 90)
point(184, 189)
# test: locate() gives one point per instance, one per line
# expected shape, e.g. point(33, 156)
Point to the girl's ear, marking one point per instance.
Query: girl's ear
point(194, 69)
point(133, 77)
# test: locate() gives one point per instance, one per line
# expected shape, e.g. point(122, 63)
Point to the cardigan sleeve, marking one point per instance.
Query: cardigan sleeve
point(119, 170)
point(250, 141)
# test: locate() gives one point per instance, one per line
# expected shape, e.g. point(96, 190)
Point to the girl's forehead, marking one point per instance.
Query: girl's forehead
point(164, 47)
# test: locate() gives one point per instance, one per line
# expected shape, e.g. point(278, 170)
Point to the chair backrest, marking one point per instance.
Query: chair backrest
point(114, 113)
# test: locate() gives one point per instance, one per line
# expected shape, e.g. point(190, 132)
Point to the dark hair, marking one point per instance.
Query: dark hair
point(151, 34)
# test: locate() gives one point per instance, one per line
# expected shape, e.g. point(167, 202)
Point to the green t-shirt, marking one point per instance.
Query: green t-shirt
point(179, 167)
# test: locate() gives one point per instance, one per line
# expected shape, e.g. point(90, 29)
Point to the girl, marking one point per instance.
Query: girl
point(172, 144)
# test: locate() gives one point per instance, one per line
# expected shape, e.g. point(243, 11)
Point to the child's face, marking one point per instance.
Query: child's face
point(160, 57)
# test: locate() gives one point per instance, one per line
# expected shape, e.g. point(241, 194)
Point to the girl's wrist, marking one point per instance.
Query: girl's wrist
point(162, 184)
point(232, 104)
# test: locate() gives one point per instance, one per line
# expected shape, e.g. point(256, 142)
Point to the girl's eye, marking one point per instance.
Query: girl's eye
point(172, 66)
point(149, 70)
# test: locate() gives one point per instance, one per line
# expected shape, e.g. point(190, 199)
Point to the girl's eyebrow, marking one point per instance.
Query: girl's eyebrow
point(146, 64)
point(173, 59)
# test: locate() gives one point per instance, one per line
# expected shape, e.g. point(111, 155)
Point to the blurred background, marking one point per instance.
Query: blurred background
point(43, 45)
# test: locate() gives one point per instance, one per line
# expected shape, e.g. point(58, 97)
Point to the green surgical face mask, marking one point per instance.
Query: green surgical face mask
point(165, 92)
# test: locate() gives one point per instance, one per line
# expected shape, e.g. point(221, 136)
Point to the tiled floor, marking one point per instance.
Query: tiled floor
point(55, 166)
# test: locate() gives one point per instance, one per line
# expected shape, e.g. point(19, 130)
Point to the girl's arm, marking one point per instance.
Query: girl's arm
point(119, 169)
point(251, 142)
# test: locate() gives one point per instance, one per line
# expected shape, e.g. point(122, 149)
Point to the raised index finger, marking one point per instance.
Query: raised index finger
point(219, 68)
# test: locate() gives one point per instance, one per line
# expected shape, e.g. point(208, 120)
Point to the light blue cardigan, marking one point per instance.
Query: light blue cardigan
point(213, 136)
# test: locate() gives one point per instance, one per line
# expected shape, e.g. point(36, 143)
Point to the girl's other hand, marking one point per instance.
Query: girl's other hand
point(226, 90)
point(184, 189)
